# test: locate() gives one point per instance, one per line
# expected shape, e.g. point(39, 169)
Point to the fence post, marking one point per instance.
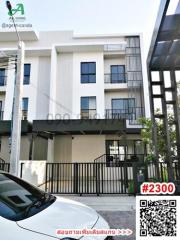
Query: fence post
point(21, 170)
point(97, 178)
point(135, 177)
point(46, 177)
point(75, 185)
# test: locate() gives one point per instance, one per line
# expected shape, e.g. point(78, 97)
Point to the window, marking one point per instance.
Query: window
point(118, 74)
point(14, 203)
point(1, 112)
point(88, 107)
point(24, 108)
point(2, 77)
point(27, 70)
point(123, 108)
point(88, 72)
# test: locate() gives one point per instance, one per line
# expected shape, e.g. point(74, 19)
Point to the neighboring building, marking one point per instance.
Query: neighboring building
point(89, 87)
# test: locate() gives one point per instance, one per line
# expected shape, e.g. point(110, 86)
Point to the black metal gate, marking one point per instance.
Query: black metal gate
point(91, 178)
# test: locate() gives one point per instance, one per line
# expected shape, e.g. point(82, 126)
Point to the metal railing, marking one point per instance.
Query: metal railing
point(130, 113)
point(115, 159)
point(1, 115)
point(4, 166)
point(24, 114)
point(115, 78)
point(88, 114)
point(3, 80)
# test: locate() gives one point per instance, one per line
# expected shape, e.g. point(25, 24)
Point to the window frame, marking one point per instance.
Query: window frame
point(3, 77)
point(88, 74)
point(88, 110)
point(123, 74)
point(27, 76)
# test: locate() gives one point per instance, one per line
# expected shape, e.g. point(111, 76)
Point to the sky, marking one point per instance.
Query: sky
point(90, 16)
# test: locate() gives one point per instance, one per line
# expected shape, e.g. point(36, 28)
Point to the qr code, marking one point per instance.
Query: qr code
point(158, 218)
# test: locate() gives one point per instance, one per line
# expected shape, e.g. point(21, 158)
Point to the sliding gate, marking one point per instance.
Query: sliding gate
point(91, 178)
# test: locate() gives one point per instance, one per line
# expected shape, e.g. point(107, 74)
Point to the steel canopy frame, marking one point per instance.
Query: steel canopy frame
point(164, 55)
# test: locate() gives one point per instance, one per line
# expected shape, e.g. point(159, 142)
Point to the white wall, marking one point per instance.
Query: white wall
point(90, 89)
point(63, 149)
point(86, 148)
point(64, 85)
point(43, 88)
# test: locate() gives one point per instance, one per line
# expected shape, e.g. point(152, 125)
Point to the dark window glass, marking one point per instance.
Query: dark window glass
point(88, 72)
point(123, 108)
point(1, 111)
point(118, 73)
point(27, 70)
point(25, 104)
point(2, 77)
point(14, 203)
point(88, 107)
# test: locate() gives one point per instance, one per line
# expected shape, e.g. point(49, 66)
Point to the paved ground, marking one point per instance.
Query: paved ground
point(119, 220)
point(119, 211)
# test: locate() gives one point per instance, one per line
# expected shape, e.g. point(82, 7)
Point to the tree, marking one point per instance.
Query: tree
point(147, 137)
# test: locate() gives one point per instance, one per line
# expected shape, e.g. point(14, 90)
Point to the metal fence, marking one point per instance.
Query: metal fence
point(90, 178)
point(4, 166)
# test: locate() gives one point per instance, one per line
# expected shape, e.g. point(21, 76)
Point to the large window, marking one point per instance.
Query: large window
point(25, 102)
point(123, 108)
point(88, 72)
point(118, 74)
point(88, 107)
point(27, 70)
point(2, 77)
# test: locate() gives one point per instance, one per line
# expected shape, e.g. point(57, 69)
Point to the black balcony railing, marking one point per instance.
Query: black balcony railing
point(24, 114)
point(1, 115)
point(88, 114)
point(115, 78)
point(129, 113)
point(3, 81)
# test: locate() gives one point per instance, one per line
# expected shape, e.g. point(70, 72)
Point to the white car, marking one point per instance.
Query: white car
point(28, 213)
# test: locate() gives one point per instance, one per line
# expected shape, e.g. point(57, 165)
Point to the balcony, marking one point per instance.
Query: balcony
point(115, 78)
point(1, 115)
point(24, 114)
point(129, 113)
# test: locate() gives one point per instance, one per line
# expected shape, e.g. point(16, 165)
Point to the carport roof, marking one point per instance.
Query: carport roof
point(164, 52)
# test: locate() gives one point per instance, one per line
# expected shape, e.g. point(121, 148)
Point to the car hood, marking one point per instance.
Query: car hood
point(62, 214)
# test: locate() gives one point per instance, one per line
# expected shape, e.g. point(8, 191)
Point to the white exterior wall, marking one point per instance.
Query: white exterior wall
point(86, 148)
point(43, 88)
point(87, 90)
point(64, 85)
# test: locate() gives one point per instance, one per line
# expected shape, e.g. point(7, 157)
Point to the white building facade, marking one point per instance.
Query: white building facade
point(82, 96)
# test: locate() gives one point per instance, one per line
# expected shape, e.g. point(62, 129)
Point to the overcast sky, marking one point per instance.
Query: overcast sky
point(90, 16)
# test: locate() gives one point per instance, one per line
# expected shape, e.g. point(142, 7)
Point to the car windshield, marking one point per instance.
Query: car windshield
point(19, 199)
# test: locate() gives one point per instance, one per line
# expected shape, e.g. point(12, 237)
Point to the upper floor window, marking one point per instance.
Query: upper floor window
point(88, 107)
point(2, 77)
point(1, 112)
point(27, 70)
point(118, 74)
point(25, 103)
point(88, 72)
